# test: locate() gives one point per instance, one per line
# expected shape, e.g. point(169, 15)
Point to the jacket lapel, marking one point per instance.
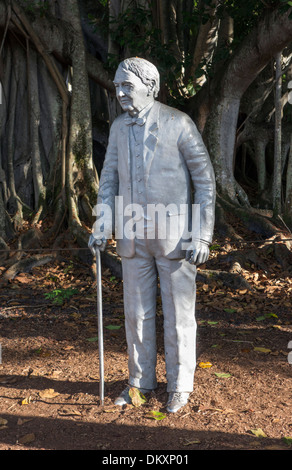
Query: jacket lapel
point(124, 148)
point(150, 138)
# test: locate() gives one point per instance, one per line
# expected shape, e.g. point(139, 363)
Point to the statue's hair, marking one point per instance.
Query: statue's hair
point(145, 70)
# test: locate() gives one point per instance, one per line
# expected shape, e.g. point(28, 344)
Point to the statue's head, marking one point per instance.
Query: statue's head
point(137, 84)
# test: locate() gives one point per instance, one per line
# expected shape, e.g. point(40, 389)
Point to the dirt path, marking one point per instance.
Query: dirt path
point(49, 373)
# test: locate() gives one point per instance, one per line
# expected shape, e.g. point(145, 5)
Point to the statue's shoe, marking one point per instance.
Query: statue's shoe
point(176, 401)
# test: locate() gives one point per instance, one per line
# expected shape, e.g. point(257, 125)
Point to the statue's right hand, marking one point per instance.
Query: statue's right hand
point(94, 243)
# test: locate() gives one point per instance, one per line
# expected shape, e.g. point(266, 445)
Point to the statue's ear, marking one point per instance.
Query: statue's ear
point(151, 86)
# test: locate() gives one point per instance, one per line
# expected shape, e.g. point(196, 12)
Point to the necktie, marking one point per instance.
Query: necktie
point(132, 121)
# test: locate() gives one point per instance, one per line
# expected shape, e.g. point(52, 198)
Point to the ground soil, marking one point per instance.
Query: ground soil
point(49, 373)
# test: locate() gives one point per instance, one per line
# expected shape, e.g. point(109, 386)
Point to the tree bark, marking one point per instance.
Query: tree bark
point(277, 183)
point(270, 36)
point(58, 37)
point(288, 194)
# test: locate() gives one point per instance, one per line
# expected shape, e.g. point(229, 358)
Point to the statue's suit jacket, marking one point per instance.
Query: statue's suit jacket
point(177, 171)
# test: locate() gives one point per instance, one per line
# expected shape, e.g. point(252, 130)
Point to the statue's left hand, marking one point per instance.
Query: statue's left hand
point(198, 253)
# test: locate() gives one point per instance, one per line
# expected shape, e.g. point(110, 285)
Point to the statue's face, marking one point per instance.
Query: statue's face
point(132, 94)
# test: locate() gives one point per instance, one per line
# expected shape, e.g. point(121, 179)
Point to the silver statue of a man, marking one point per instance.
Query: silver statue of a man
point(156, 156)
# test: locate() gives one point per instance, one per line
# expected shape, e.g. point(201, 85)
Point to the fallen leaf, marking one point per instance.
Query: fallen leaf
point(43, 352)
point(222, 374)
point(271, 315)
point(3, 422)
point(22, 279)
point(230, 310)
point(113, 327)
point(25, 401)
point(263, 350)
point(136, 396)
point(287, 440)
point(205, 365)
point(189, 443)
point(55, 374)
point(258, 432)
point(111, 410)
point(21, 421)
point(27, 439)
point(275, 447)
point(48, 393)
point(67, 412)
point(265, 316)
point(157, 415)
point(261, 318)
point(8, 379)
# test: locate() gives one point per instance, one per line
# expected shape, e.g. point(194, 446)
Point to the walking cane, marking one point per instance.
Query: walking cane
point(100, 326)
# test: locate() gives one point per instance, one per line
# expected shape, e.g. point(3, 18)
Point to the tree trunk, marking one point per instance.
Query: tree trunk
point(270, 36)
point(288, 194)
point(277, 183)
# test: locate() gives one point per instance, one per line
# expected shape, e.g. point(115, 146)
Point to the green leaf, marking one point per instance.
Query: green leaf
point(113, 327)
point(261, 318)
point(263, 350)
point(258, 432)
point(214, 247)
point(230, 310)
point(222, 374)
point(212, 322)
point(157, 415)
point(91, 340)
point(287, 440)
point(267, 315)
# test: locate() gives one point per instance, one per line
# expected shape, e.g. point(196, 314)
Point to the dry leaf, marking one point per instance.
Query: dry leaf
point(25, 401)
point(263, 350)
point(48, 393)
point(111, 410)
point(242, 291)
point(21, 421)
point(55, 374)
point(6, 379)
point(3, 422)
point(27, 439)
point(189, 443)
point(136, 396)
point(67, 412)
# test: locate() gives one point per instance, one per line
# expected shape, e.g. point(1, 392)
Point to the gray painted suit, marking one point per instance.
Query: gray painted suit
point(174, 162)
